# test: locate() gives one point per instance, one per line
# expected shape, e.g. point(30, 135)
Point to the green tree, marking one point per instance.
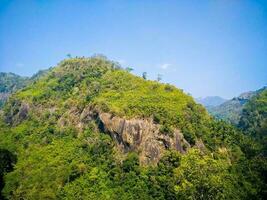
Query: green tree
point(7, 161)
point(200, 176)
point(159, 77)
point(129, 69)
point(144, 75)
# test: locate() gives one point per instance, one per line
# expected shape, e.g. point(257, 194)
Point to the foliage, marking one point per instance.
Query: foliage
point(144, 75)
point(203, 177)
point(231, 110)
point(254, 116)
point(57, 160)
point(7, 160)
point(129, 96)
point(9, 83)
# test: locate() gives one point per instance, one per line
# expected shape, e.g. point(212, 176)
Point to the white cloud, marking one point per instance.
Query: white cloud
point(165, 66)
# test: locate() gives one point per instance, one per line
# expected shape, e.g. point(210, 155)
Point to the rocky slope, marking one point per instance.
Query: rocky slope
point(141, 135)
point(69, 90)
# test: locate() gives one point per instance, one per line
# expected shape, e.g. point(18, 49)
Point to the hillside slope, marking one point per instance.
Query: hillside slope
point(88, 129)
point(10, 82)
point(254, 116)
point(231, 110)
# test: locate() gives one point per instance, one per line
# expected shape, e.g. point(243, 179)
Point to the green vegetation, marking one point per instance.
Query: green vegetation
point(231, 110)
point(254, 116)
point(129, 96)
point(9, 83)
point(47, 156)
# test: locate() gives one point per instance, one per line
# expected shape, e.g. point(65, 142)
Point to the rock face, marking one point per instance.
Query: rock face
point(3, 98)
point(143, 136)
point(139, 135)
point(18, 113)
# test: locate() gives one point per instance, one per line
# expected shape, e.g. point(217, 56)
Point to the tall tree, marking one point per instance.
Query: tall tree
point(144, 75)
point(159, 77)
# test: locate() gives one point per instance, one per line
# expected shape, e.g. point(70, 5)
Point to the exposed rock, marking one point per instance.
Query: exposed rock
point(70, 118)
point(23, 111)
point(140, 135)
point(18, 113)
point(87, 115)
point(3, 97)
point(143, 136)
point(200, 145)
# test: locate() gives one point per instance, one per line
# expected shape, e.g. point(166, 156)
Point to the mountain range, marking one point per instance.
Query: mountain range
point(211, 101)
point(231, 110)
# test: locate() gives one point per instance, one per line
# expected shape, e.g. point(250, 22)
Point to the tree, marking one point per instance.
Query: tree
point(129, 69)
point(159, 77)
point(69, 55)
point(144, 75)
point(202, 177)
point(131, 163)
point(7, 160)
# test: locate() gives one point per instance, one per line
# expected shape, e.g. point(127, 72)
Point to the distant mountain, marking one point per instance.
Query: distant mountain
point(211, 101)
point(10, 82)
point(231, 110)
point(39, 74)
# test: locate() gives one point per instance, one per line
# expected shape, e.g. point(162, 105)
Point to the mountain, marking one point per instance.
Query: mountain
point(10, 82)
point(231, 110)
point(97, 89)
point(88, 129)
point(39, 74)
point(211, 101)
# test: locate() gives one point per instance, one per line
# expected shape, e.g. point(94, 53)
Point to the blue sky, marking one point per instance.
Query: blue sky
point(216, 47)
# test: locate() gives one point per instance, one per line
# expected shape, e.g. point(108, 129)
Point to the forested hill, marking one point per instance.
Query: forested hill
point(231, 110)
point(10, 82)
point(254, 116)
point(88, 129)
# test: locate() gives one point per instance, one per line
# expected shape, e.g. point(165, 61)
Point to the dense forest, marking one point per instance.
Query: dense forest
point(89, 129)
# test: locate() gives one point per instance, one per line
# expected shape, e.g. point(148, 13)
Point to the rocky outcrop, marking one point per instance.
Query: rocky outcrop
point(3, 98)
point(139, 135)
point(23, 111)
point(18, 113)
point(142, 136)
point(200, 145)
